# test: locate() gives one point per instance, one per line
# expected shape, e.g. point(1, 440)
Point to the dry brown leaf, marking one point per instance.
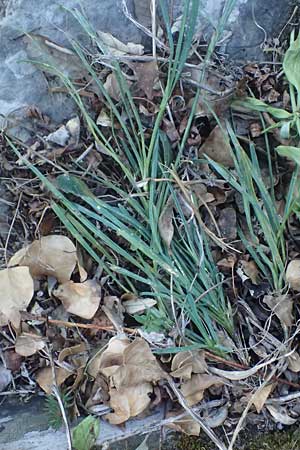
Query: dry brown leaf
point(165, 223)
point(280, 415)
point(139, 366)
point(261, 395)
point(217, 147)
point(110, 359)
point(251, 270)
point(53, 255)
point(147, 76)
point(294, 362)
point(112, 87)
point(16, 285)
point(128, 402)
point(193, 389)
point(138, 305)
point(112, 46)
point(282, 306)
point(28, 344)
point(45, 380)
point(113, 309)
point(185, 425)
point(81, 299)
point(186, 363)
point(5, 378)
point(292, 274)
point(72, 351)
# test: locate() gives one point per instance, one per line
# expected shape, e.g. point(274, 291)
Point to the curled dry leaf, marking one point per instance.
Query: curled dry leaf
point(280, 415)
point(186, 363)
point(236, 375)
point(28, 344)
point(16, 285)
point(251, 270)
point(165, 223)
point(138, 305)
point(292, 274)
point(185, 424)
point(108, 361)
point(112, 46)
point(294, 362)
point(81, 299)
point(5, 378)
point(53, 255)
point(112, 87)
point(282, 306)
point(193, 389)
point(217, 147)
point(113, 309)
point(139, 366)
point(104, 120)
point(45, 380)
point(261, 395)
point(128, 402)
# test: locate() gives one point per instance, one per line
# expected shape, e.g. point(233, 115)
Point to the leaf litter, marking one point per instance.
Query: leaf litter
point(73, 325)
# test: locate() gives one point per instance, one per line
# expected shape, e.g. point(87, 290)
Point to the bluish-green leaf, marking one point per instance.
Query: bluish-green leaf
point(290, 152)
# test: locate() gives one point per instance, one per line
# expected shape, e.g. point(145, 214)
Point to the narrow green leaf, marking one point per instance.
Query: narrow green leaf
point(290, 152)
point(85, 434)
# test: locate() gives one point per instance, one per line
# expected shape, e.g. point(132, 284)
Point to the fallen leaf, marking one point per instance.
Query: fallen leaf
point(59, 137)
point(112, 87)
point(147, 76)
point(217, 147)
point(138, 305)
point(5, 378)
point(292, 274)
point(251, 270)
point(103, 119)
point(73, 127)
point(193, 389)
point(186, 363)
point(85, 434)
point(294, 362)
point(139, 366)
point(236, 375)
point(165, 223)
point(81, 299)
point(28, 344)
point(282, 306)
point(217, 418)
point(113, 309)
point(16, 285)
point(261, 395)
point(112, 46)
point(280, 415)
point(45, 380)
point(128, 402)
point(110, 359)
point(185, 424)
point(53, 255)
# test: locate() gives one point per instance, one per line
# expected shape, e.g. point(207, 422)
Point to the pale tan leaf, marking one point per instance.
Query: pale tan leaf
point(112, 87)
point(185, 424)
point(73, 127)
point(294, 362)
point(292, 274)
point(103, 119)
point(186, 363)
point(111, 45)
point(138, 305)
point(217, 147)
point(16, 286)
point(139, 366)
point(45, 380)
point(147, 76)
point(236, 375)
point(128, 402)
point(261, 395)
point(165, 223)
point(113, 309)
point(282, 306)
point(280, 415)
point(251, 270)
point(28, 344)
point(53, 255)
point(81, 299)
point(110, 359)
point(193, 389)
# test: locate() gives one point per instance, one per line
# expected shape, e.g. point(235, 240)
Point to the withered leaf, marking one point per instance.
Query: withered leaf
point(186, 363)
point(292, 274)
point(110, 359)
point(147, 76)
point(113, 46)
point(128, 402)
point(261, 395)
point(53, 255)
point(185, 424)
point(45, 380)
point(165, 223)
point(28, 344)
point(282, 306)
point(217, 147)
point(17, 289)
point(81, 299)
point(193, 389)
point(138, 305)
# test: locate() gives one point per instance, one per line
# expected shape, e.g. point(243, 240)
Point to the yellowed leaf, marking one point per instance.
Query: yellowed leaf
point(81, 299)
point(28, 344)
point(260, 397)
point(128, 402)
point(217, 147)
point(113, 46)
point(45, 380)
point(108, 361)
point(282, 306)
point(193, 389)
point(53, 255)
point(16, 286)
point(103, 119)
point(292, 274)
point(138, 305)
